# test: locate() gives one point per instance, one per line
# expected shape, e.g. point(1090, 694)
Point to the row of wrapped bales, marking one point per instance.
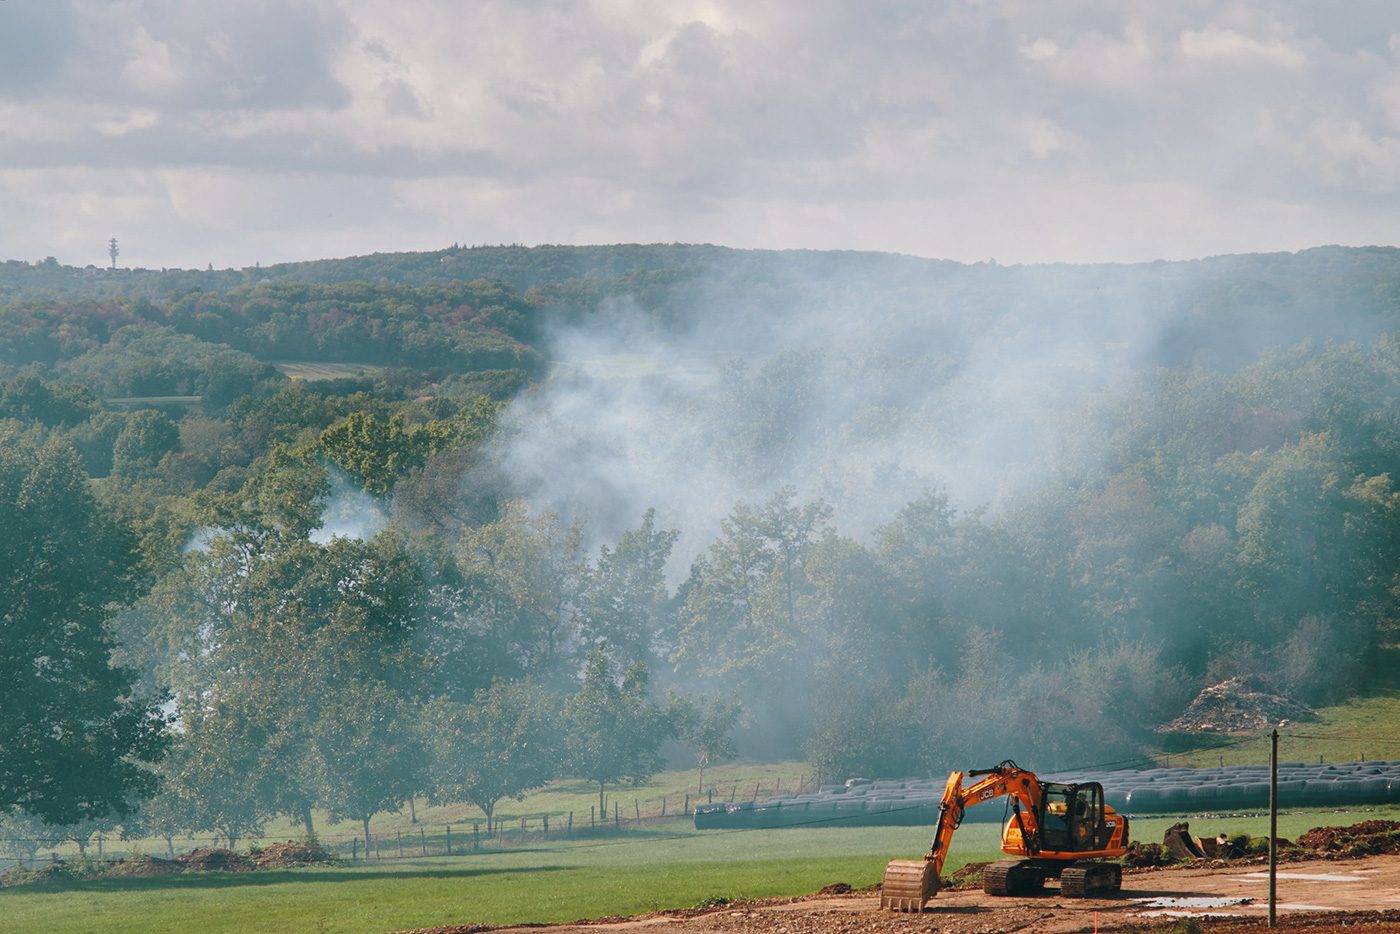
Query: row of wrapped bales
point(1182, 790)
point(1146, 791)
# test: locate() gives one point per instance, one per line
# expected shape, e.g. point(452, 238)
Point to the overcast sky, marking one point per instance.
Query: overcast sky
point(243, 130)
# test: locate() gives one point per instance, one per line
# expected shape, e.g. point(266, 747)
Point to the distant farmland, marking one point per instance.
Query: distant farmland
point(315, 371)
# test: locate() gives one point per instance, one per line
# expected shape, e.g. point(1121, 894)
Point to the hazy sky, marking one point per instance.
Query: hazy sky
point(245, 130)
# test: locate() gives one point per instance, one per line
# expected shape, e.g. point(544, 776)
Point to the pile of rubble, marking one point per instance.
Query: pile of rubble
point(1367, 838)
point(1237, 705)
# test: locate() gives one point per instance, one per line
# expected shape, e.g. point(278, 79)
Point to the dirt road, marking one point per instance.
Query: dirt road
point(1362, 894)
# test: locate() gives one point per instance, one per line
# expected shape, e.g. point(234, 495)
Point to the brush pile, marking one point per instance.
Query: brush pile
point(290, 854)
point(140, 867)
point(214, 859)
point(1237, 705)
point(207, 859)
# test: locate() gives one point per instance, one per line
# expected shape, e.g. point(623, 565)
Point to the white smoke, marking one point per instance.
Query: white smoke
point(346, 512)
point(865, 395)
point(349, 512)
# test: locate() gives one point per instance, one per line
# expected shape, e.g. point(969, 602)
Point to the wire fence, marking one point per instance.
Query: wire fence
point(620, 814)
point(610, 827)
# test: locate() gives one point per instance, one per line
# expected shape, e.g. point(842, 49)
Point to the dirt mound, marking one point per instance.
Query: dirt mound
point(1236, 705)
point(835, 888)
point(1367, 838)
point(290, 854)
point(140, 867)
point(216, 859)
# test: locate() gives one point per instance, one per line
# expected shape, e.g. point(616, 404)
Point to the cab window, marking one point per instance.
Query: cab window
point(1056, 817)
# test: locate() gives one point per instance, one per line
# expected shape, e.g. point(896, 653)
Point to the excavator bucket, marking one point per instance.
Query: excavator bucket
point(1179, 841)
point(908, 885)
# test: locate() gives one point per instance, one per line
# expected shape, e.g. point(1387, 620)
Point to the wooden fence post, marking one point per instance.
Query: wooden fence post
point(591, 821)
point(663, 805)
point(637, 810)
point(449, 839)
point(685, 807)
point(398, 838)
point(423, 838)
point(617, 817)
point(571, 824)
point(476, 836)
point(546, 826)
point(354, 849)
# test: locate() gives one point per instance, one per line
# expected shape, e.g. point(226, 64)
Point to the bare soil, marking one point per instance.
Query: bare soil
point(1317, 895)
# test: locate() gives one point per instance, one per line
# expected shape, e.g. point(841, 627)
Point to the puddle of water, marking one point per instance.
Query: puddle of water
point(1308, 876)
point(1192, 901)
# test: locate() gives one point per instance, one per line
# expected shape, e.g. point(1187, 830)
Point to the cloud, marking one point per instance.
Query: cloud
point(942, 129)
point(1228, 45)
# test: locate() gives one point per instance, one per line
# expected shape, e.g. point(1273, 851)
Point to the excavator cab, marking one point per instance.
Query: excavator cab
point(1072, 817)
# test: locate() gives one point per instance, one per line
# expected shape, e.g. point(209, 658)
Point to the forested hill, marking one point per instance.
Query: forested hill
point(836, 490)
point(425, 309)
point(1309, 280)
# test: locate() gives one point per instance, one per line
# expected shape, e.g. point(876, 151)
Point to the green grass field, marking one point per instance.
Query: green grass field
point(302, 369)
point(643, 870)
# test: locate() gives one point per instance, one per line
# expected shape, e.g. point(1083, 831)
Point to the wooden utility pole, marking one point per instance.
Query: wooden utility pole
point(1273, 829)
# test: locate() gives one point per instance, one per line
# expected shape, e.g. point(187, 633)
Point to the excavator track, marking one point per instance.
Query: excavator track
point(1012, 877)
point(908, 885)
point(1087, 880)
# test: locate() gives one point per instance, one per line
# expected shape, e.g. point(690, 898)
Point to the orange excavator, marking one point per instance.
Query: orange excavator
point(1056, 830)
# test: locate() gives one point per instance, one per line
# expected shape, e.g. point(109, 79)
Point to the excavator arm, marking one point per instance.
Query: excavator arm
point(910, 883)
point(1005, 780)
